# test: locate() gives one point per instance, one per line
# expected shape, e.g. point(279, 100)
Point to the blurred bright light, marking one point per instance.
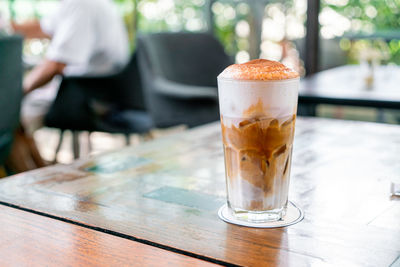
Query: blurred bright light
point(155, 10)
point(36, 47)
point(332, 23)
point(23, 9)
point(271, 50)
point(357, 11)
point(242, 29)
point(242, 57)
point(46, 7)
point(194, 24)
point(172, 19)
point(371, 11)
point(327, 32)
point(288, 63)
point(337, 2)
point(198, 2)
point(273, 27)
point(243, 44)
point(356, 25)
point(166, 4)
point(275, 12)
point(229, 12)
point(217, 8)
point(242, 8)
point(368, 27)
point(300, 6)
point(4, 11)
point(221, 22)
point(189, 13)
point(273, 30)
point(294, 28)
point(148, 9)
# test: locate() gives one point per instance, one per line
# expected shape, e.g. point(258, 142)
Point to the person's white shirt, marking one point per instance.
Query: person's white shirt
point(88, 36)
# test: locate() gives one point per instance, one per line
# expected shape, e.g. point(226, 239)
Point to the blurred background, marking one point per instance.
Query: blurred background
point(346, 26)
point(309, 36)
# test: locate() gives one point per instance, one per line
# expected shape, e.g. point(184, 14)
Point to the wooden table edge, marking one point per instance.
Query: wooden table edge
point(120, 235)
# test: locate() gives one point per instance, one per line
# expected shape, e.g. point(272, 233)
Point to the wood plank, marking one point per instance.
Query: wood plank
point(29, 239)
point(168, 192)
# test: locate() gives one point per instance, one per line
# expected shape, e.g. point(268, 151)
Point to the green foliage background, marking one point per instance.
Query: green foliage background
point(383, 29)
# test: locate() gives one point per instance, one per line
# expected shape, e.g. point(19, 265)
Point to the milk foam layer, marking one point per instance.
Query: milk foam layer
point(260, 70)
point(277, 98)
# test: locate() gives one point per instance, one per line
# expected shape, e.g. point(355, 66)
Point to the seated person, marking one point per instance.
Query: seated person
point(87, 38)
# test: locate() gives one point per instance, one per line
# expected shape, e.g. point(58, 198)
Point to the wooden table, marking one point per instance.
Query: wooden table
point(345, 85)
point(166, 193)
point(28, 239)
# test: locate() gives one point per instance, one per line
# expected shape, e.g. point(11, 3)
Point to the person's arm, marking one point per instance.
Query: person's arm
point(31, 29)
point(42, 74)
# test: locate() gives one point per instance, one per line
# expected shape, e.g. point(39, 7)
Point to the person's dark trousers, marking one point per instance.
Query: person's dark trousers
point(71, 108)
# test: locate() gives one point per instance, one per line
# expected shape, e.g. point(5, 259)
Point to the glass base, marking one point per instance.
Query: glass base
point(258, 216)
point(292, 215)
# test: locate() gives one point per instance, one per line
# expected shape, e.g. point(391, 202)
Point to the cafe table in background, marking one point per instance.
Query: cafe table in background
point(351, 85)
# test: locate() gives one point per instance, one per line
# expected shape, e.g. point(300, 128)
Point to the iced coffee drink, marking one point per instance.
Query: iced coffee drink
point(258, 103)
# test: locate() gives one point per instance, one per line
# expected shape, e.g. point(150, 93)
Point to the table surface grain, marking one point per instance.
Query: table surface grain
point(28, 239)
point(167, 192)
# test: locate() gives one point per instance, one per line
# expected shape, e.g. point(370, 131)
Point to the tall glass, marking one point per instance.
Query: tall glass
point(258, 121)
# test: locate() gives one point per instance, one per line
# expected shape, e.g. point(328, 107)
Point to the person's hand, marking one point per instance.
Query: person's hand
point(28, 29)
point(12, 25)
point(27, 85)
point(42, 74)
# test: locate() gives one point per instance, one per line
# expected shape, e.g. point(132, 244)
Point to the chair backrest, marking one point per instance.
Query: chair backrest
point(187, 58)
point(130, 93)
point(10, 88)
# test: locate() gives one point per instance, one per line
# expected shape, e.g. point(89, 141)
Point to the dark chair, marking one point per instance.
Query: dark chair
point(10, 91)
point(179, 74)
point(112, 103)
